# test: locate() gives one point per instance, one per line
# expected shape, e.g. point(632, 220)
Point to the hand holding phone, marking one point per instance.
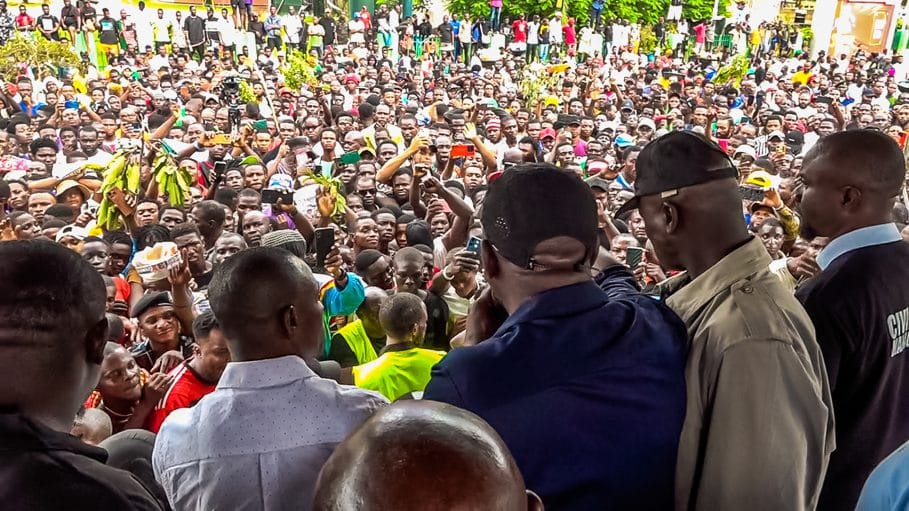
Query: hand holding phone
point(273, 196)
point(324, 241)
point(634, 256)
point(463, 151)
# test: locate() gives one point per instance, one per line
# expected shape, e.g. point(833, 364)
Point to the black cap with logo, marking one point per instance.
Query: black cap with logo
point(532, 203)
point(677, 160)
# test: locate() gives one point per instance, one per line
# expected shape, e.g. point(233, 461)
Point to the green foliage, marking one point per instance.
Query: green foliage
point(649, 41)
point(44, 57)
point(470, 7)
point(703, 9)
point(247, 95)
point(733, 72)
point(536, 82)
point(299, 71)
point(646, 12)
point(807, 35)
point(580, 11)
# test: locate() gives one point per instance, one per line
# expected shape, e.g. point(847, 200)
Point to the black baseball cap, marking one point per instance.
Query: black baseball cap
point(150, 301)
point(677, 160)
point(515, 223)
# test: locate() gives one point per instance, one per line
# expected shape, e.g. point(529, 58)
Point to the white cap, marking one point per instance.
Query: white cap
point(71, 230)
point(746, 150)
point(646, 121)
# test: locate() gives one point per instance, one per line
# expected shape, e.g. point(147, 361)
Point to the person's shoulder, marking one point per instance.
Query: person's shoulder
point(759, 308)
point(83, 480)
point(178, 425)
point(351, 398)
point(438, 354)
point(887, 488)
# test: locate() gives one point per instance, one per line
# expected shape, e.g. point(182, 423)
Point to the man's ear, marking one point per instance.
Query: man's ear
point(851, 198)
point(95, 339)
point(670, 217)
point(289, 320)
point(488, 259)
point(534, 502)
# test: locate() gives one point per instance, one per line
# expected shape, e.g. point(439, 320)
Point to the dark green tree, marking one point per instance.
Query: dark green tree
point(646, 12)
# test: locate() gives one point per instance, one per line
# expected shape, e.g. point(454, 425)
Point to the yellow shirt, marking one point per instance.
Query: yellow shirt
point(397, 371)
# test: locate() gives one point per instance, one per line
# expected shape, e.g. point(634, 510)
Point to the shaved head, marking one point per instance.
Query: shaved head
point(422, 455)
point(373, 298)
point(267, 302)
point(868, 159)
point(850, 181)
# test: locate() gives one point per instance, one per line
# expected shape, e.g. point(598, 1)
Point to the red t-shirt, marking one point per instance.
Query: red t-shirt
point(519, 27)
point(123, 289)
point(24, 20)
point(569, 34)
point(186, 390)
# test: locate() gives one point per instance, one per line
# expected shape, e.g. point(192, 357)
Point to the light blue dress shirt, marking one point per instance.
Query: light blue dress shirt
point(859, 238)
point(259, 440)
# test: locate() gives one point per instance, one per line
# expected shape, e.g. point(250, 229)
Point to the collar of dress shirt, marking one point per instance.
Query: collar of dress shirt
point(686, 297)
point(264, 373)
point(859, 238)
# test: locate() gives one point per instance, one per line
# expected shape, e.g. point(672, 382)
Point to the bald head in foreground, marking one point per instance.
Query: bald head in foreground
point(426, 456)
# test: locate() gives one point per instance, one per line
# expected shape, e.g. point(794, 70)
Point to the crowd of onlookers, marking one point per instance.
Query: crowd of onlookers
point(442, 266)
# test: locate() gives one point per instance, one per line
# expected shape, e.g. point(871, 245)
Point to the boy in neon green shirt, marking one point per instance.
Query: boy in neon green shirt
point(402, 367)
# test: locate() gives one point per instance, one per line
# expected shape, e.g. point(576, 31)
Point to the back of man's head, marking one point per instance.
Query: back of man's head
point(523, 233)
point(209, 211)
point(422, 455)
point(267, 303)
point(687, 193)
point(52, 330)
point(401, 314)
point(870, 159)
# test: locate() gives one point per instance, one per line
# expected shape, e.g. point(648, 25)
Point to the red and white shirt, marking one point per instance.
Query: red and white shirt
point(185, 391)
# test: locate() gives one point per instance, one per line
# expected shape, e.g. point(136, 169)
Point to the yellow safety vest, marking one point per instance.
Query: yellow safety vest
point(356, 338)
point(396, 373)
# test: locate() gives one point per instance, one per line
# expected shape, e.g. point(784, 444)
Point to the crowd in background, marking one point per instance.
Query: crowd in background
point(498, 264)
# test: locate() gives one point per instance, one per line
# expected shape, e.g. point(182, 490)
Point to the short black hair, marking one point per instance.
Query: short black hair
point(365, 259)
point(61, 211)
point(227, 196)
point(209, 210)
point(42, 283)
point(118, 238)
point(249, 192)
point(418, 232)
point(95, 239)
point(171, 208)
point(204, 324)
point(399, 314)
point(148, 235)
point(42, 143)
point(870, 154)
point(184, 229)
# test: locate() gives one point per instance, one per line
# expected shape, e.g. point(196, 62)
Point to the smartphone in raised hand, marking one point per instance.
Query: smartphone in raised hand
point(634, 256)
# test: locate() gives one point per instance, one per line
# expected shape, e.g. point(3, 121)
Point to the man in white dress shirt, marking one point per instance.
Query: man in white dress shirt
point(259, 440)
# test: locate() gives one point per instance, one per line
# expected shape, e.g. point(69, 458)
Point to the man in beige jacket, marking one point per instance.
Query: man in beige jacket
point(758, 430)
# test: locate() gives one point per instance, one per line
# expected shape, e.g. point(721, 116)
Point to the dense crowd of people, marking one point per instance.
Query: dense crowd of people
point(472, 265)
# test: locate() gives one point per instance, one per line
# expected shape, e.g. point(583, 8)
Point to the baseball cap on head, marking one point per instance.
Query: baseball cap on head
point(624, 140)
point(677, 160)
point(515, 224)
